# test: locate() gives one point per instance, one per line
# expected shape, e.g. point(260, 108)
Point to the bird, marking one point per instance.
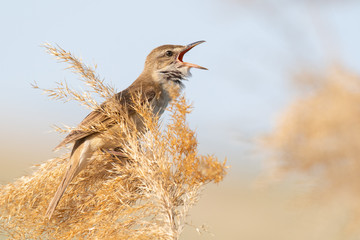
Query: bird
point(160, 82)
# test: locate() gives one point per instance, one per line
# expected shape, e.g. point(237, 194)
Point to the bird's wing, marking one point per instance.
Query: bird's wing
point(98, 118)
point(92, 119)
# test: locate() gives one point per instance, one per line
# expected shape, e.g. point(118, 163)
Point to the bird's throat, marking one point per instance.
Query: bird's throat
point(171, 82)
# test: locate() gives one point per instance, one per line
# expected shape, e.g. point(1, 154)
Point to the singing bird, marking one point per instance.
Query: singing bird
point(159, 83)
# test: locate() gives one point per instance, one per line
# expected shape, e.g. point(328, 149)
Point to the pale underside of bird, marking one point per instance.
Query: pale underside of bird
point(159, 83)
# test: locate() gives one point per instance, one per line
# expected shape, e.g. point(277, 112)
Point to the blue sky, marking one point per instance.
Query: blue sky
point(252, 50)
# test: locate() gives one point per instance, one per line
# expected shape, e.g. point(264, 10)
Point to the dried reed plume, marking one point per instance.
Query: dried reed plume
point(319, 136)
point(145, 194)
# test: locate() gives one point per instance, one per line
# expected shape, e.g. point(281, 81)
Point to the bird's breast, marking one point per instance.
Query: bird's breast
point(159, 104)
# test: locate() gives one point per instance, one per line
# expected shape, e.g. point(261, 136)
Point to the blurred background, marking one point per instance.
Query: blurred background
point(281, 100)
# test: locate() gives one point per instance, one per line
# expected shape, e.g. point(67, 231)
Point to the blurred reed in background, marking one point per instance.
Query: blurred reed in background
point(318, 138)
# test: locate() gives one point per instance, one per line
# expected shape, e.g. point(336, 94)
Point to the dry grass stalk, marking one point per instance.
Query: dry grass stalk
point(87, 75)
point(144, 195)
point(319, 136)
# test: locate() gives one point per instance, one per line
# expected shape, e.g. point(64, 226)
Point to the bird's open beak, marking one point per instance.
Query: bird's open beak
point(188, 48)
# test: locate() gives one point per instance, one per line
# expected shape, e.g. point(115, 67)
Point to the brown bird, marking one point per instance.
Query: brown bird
point(158, 84)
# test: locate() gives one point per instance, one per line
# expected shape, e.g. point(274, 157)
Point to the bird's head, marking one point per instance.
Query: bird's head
point(166, 62)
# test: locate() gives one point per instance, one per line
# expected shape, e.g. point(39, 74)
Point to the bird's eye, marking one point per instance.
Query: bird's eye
point(169, 53)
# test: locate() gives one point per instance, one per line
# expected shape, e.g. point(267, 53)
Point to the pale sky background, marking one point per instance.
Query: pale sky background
point(252, 50)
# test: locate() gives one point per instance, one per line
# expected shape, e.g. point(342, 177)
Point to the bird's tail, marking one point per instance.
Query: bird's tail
point(78, 160)
point(59, 192)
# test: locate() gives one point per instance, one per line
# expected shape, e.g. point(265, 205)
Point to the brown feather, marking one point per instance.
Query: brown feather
point(97, 117)
point(69, 175)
